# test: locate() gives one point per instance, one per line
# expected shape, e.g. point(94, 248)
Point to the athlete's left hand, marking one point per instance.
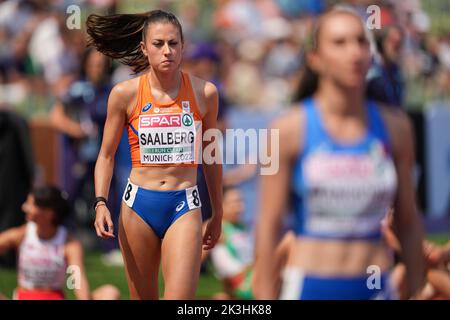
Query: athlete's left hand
point(212, 232)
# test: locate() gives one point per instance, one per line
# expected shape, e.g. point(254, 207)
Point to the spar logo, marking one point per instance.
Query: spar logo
point(187, 120)
point(163, 120)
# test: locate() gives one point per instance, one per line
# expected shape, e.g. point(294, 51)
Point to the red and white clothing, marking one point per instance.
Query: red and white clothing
point(42, 265)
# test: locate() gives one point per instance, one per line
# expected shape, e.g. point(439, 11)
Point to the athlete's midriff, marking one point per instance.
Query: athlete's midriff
point(326, 257)
point(164, 178)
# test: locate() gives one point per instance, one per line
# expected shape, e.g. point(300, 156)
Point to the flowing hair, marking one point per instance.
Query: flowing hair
point(118, 36)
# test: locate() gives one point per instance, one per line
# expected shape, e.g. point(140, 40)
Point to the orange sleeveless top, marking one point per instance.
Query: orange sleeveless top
point(165, 134)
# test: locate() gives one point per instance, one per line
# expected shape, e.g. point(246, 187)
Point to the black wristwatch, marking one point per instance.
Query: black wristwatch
point(99, 199)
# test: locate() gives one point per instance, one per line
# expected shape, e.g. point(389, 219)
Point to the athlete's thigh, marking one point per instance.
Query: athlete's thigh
point(141, 249)
point(181, 256)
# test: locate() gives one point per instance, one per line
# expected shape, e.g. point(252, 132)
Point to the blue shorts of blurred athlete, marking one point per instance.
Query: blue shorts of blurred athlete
point(299, 286)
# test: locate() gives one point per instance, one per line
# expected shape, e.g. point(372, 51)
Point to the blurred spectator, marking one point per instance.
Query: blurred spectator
point(46, 250)
point(244, 83)
point(232, 258)
point(16, 173)
point(80, 113)
point(53, 47)
point(385, 80)
point(110, 6)
point(295, 8)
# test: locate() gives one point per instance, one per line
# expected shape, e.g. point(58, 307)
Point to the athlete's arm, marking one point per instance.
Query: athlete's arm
point(442, 254)
point(11, 238)
point(63, 123)
point(212, 171)
point(389, 234)
point(407, 223)
point(115, 121)
point(74, 258)
point(440, 280)
point(436, 255)
point(274, 190)
point(446, 253)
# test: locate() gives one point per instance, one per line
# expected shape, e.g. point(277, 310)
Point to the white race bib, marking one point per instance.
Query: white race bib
point(193, 197)
point(167, 138)
point(129, 195)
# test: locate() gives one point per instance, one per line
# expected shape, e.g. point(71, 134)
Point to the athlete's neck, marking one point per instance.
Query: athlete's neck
point(165, 82)
point(339, 101)
point(46, 232)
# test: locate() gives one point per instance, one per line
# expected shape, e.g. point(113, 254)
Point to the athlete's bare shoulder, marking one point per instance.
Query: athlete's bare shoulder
point(207, 86)
point(124, 93)
point(202, 84)
point(290, 124)
point(289, 118)
point(205, 92)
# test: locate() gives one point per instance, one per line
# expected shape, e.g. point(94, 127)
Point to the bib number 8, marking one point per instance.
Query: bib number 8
point(127, 193)
point(196, 199)
point(130, 194)
point(193, 197)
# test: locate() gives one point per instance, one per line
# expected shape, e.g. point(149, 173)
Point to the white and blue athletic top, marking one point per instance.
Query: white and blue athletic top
point(343, 191)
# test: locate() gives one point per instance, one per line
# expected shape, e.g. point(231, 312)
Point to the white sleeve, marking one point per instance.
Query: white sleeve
point(224, 263)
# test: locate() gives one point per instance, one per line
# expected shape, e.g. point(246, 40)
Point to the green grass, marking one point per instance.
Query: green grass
point(98, 275)
point(8, 281)
point(439, 238)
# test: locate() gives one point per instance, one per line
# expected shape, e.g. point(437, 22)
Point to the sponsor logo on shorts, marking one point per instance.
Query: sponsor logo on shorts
point(180, 206)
